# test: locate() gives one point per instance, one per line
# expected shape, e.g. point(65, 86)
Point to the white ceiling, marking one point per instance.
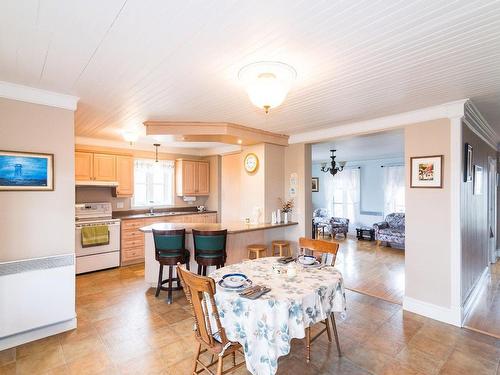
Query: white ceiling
point(381, 145)
point(135, 60)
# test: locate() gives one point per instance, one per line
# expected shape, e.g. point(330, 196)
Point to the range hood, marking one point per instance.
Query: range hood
point(97, 183)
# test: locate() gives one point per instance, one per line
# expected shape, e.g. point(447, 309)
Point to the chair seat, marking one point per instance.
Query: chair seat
point(166, 254)
point(280, 243)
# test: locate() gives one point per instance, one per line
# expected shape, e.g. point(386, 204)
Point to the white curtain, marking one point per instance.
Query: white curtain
point(343, 194)
point(153, 182)
point(394, 189)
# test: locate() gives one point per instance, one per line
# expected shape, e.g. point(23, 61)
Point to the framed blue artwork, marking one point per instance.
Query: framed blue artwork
point(26, 171)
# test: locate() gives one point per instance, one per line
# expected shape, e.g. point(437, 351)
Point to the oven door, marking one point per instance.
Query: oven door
point(113, 245)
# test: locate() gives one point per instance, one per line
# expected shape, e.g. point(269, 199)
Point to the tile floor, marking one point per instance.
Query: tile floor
point(124, 329)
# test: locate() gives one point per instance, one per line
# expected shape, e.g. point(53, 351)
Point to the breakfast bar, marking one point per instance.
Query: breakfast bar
point(239, 236)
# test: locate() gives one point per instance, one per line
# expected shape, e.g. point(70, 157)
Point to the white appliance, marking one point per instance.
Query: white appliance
point(97, 257)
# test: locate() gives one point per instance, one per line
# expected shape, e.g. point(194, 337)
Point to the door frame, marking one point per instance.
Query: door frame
point(492, 209)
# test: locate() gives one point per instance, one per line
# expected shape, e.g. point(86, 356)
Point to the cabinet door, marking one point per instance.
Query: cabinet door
point(125, 176)
point(83, 166)
point(203, 179)
point(189, 177)
point(104, 167)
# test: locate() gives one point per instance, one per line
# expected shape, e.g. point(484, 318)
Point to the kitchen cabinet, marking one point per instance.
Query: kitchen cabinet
point(104, 167)
point(83, 166)
point(91, 166)
point(132, 239)
point(124, 176)
point(192, 177)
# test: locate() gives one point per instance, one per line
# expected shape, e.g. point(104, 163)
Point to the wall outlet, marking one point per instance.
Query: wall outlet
point(119, 205)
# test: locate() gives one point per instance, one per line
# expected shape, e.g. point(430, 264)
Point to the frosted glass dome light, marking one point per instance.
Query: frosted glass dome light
point(267, 83)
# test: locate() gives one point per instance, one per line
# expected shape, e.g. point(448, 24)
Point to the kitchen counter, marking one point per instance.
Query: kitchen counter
point(126, 215)
point(232, 227)
point(239, 236)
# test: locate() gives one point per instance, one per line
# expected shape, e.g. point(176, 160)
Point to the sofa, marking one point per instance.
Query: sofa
point(391, 230)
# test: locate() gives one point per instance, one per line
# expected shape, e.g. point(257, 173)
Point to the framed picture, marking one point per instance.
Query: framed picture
point(315, 184)
point(26, 171)
point(426, 171)
point(478, 180)
point(468, 163)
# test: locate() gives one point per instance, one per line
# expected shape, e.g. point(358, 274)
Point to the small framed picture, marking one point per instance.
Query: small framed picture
point(468, 163)
point(315, 184)
point(478, 180)
point(26, 171)
point(426, 171)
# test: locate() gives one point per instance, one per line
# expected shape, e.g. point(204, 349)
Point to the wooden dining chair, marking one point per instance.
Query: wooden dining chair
point(200, 292)
point(320, 246)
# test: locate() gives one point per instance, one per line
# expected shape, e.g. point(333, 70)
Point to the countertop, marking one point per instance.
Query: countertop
point(146, 215)
point(232, 227)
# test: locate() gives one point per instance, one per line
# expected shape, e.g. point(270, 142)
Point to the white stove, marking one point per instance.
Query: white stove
point(102, 256)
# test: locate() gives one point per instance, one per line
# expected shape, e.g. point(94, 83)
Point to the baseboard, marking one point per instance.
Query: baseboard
point(36, 334)
point(443, 314)
point(474, 293)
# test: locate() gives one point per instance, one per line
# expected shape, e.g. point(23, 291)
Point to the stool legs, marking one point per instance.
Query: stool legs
point(169, 295)
point(160, 279)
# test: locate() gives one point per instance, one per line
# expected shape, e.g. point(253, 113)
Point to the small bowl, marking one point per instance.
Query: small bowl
point(307, 259)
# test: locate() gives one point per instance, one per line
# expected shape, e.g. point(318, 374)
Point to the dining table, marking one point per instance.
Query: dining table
point(265, 326)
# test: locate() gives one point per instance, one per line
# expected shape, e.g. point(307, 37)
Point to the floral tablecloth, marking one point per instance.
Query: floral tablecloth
point(265, 327)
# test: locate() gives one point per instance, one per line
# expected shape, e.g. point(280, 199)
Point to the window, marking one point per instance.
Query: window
point(344, 201)
point(153, 183)
point(394, 189)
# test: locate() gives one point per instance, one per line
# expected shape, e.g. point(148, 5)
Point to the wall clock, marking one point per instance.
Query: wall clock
point(251, 163)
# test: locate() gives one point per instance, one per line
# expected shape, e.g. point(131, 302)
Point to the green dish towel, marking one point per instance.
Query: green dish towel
point(95, 235)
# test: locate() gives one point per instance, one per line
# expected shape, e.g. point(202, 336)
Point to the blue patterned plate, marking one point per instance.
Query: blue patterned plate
point(246, 284)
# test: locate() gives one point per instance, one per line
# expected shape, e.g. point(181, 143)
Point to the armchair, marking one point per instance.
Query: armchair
point(339, 225)
point(392, 230)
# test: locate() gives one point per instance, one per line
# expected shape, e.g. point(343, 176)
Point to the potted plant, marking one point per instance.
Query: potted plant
point(286, 208)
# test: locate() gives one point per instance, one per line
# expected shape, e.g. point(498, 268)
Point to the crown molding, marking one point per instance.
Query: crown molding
point(478, 124)
point(447, 110)
point(37, 96)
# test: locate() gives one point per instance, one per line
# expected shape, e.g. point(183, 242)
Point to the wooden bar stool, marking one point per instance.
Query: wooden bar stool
point(170, 250)
point(258, 250)
point(282, 246)
point(209, 249)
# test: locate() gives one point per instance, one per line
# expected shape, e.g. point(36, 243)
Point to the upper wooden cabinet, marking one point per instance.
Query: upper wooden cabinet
point(104, 167)
point(192, 177)
point(92, 166)
point(84, 162)
point(124, 176)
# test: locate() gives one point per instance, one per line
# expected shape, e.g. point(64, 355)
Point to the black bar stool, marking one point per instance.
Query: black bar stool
point(209, 249)
point(170, 249)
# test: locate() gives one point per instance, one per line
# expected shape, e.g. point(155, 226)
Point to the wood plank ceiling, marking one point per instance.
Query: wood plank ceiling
point(134, 60)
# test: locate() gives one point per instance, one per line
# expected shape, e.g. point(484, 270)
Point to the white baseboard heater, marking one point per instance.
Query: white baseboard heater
point(36, 295)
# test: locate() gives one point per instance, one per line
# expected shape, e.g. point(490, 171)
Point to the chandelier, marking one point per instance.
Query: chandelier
point(333, 169)
point(267, 82)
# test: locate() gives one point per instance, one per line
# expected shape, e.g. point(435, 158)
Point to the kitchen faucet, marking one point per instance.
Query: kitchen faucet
point(151, 209)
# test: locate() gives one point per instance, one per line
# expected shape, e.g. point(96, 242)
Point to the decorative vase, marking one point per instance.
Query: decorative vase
point(285, 220)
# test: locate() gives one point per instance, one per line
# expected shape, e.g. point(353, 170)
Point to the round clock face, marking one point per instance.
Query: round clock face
point(251, 163)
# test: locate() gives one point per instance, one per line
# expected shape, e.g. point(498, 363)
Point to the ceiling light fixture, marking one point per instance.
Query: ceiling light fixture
point(130, 136)
point(267, 82)
point(156, 151)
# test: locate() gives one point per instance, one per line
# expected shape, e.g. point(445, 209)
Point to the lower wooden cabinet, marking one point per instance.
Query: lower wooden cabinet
point(132, 239)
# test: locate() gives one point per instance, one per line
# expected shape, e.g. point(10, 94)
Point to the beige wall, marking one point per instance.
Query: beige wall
point(241, 191)
point(230, 188)
point(298, 160)
point(253, 185)
point(274, 178)
point(37, 224)
point(428, 220)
